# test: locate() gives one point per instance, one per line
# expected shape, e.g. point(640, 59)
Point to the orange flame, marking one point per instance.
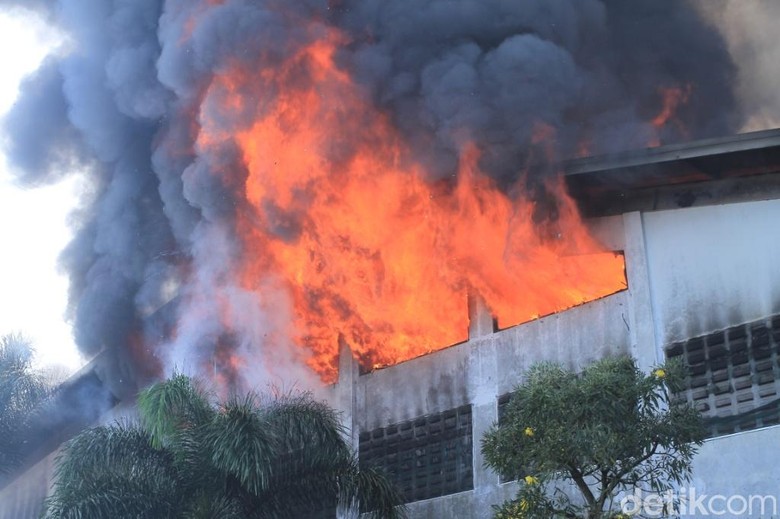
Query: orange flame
point(370, 251)
point(672, 98)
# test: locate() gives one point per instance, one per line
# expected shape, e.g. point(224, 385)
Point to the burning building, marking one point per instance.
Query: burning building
point(702, 285)
point(409, 205)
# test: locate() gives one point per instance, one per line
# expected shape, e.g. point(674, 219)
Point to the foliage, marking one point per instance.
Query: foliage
point(22, 390)
point(576, 441)
point(248, 457)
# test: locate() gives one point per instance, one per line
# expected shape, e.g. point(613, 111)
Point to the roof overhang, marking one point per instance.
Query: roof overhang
point(740, 167)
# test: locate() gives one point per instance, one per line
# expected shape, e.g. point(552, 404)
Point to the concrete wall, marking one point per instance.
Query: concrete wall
point(690, 271)
point(742, 464)
point(476, 373)
point(712, 267)
point(23, 498)
point(489, 365)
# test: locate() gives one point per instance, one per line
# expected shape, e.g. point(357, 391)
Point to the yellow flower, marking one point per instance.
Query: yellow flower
point(529, 431)
point(530, 480)
point(660, 373)
point(515, 510)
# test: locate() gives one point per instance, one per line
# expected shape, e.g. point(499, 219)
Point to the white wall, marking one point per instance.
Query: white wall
point(712, 267)
point(743, 464)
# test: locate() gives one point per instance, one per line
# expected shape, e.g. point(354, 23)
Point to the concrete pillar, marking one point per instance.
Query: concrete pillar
point(346, 391)
point(480, 318)
point(483, 417)
point(483, 392)
point(640, 318)
point(483, 387)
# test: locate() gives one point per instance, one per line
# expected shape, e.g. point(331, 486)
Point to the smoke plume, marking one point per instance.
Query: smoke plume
point(749, 31)
point(153, 263)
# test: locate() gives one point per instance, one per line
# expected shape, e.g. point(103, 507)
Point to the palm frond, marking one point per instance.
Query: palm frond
point(22, 390)
point(241, 444)
point(375, 493)
point(285, 456)
point(169, 406)
point(307, 427)
point(114, 471)
point(211, 506)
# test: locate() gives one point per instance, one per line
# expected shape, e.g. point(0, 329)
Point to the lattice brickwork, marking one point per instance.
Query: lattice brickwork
point(427, 457)
point(734, 375)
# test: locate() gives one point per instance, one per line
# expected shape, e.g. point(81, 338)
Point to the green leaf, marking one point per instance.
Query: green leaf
point(600, 431)
point(252, 456)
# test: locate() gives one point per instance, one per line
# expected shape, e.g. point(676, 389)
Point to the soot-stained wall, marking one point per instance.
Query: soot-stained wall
point(469, 377)
point(734, 375)
point(712, 267)
point(691, 272)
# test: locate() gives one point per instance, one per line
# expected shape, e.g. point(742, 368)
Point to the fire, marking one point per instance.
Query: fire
point(371, 252)
point(672, 98)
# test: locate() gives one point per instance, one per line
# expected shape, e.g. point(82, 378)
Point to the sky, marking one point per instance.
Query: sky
point(34, 221)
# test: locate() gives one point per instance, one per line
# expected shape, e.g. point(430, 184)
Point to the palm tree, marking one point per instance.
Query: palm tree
point(21, 392)
point(251, 457)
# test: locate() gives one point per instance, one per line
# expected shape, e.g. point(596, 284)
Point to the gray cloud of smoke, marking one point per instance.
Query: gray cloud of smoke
point(128, 99)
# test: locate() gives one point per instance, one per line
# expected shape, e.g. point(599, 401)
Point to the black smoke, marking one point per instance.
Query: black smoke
point(589, 68)
point(126, 100)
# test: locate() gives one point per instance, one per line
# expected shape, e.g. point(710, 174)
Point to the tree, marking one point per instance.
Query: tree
point(608, 430)
point(250, 457)
point(22, 390)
